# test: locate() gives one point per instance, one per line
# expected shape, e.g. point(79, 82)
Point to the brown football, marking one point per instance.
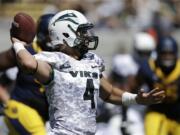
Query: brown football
point(23, 27)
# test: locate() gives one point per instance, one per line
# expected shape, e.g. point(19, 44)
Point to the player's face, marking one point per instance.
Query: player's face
point(167, 59)
point(83, 42)
point(83, 38)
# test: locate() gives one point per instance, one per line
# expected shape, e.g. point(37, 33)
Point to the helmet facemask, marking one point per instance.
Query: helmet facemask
point(84, 38)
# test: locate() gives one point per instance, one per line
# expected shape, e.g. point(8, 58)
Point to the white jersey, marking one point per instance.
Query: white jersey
point(72, 95)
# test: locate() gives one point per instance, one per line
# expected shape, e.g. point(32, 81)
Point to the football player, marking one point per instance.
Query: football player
point(163, 72)
point(73, 76)
point(143, 46)
point(27, 110)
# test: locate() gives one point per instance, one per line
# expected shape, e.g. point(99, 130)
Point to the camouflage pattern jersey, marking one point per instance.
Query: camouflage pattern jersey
point(72, 94)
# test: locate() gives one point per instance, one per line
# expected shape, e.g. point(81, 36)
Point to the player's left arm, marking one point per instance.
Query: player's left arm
point(114, 95)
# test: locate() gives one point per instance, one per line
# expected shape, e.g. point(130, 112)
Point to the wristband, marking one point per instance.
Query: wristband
point(128, 98)
point(17, 46)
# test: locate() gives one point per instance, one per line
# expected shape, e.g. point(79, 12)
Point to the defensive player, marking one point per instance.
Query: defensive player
point(27, 110)
point(73, 76)
point(163, 72)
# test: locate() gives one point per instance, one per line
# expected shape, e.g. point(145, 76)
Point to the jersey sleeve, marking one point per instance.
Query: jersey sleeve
point(46, 56)
point(55, 59)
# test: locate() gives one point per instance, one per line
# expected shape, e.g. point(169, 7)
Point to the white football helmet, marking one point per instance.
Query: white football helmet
point(71, 27)
point(144, 45)
point(144, 42)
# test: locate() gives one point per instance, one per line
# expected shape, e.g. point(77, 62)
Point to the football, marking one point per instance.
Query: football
point(23, 27)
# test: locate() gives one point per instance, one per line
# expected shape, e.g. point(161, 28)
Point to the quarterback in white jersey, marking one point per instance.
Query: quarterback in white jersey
point(73, 76)
point(73, 92)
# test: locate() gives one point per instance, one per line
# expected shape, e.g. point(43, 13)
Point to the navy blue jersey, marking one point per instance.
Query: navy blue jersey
point(29, 91)
point(154, 77)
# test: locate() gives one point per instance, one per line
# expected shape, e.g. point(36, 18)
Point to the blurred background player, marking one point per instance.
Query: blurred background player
point(144, 46)
point(125, 120)
point(27, 110)
point(163, 72)
point(124, 75)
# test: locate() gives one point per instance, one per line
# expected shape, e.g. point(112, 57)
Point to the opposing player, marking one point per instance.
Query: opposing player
point(143, 46)
point(163, 72)
point(73, 76)
point(27, 110)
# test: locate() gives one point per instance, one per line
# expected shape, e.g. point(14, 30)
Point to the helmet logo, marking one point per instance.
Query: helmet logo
point(67, 17)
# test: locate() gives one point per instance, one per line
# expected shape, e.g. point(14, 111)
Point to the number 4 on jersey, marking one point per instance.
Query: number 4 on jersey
point(89, 93)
